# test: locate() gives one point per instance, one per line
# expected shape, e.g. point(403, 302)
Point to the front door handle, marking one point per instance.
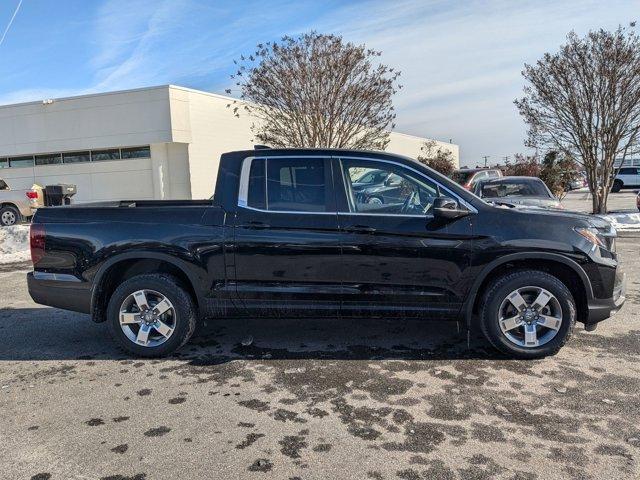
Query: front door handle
point(359, 229)
point(255, 225)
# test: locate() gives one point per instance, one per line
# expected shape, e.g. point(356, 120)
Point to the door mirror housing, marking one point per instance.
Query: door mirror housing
point(445, 207)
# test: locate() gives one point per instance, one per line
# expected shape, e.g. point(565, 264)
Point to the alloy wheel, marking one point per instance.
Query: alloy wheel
point(147, 318)
point(530, 317)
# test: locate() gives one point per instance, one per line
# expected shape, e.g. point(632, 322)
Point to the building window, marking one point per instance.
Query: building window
point(4, 163)
point(76, 157)
point(26, 161)
point(136, 152)
point(49, 159)
point(102, 155)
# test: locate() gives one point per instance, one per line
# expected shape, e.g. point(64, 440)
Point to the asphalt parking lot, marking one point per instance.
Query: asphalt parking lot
point(316, 400)
point(580, 201)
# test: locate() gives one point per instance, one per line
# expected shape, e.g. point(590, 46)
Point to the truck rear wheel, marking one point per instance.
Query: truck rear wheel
point(9, 216)
point(527, 314)
point(151, 315)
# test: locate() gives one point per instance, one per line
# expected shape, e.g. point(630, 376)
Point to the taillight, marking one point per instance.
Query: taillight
point(32, 194)
point(37, 242)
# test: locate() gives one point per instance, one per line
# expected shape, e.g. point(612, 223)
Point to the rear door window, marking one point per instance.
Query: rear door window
point(296, 184)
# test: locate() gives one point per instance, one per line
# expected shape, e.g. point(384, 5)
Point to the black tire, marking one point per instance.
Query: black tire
point(171, 288)
point(501, 287)
point(617, 186)
point(9, 216)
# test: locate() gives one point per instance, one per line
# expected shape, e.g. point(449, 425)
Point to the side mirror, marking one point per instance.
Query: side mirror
point(445, 207)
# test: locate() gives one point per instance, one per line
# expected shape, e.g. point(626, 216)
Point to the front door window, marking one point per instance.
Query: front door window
point(396, 191)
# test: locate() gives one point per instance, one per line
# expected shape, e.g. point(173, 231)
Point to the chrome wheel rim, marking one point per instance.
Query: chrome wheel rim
point(530, 317)
point(147, 318)
point(374, 201)
point(8, 218)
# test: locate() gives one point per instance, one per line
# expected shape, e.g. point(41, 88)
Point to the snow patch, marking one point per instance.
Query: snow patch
point(14, 244)
point(624, 221)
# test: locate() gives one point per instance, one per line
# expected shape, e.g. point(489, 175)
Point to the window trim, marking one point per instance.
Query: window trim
point(243, 187)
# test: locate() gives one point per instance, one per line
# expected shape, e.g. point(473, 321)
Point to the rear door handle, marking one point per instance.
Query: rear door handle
point(255, 225)
point(359, 229)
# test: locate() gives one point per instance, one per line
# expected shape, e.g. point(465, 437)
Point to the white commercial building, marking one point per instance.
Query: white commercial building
point(149, 143)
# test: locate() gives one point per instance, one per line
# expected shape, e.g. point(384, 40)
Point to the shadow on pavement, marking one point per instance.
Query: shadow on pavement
point(51, 334)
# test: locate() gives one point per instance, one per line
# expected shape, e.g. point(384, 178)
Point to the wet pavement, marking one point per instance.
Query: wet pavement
point(315, 399)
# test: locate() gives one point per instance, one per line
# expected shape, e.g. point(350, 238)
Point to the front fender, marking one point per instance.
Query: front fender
point(490, 267)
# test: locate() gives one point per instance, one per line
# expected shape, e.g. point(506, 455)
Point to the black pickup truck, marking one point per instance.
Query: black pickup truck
point(286, 234)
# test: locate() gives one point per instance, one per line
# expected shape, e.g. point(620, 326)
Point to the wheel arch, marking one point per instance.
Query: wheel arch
point(127, 265)
point(566, 270)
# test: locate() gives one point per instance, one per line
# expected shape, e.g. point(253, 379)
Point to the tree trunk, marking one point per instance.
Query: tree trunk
point(594, 199)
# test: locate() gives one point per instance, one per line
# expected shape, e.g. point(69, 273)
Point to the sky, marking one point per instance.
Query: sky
point(461, 61)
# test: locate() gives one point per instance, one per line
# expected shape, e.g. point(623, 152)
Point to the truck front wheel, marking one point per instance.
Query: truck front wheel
point(151, 315)
point(527, 314)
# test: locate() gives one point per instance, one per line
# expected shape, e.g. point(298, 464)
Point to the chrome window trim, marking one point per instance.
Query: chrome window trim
point(243, 188)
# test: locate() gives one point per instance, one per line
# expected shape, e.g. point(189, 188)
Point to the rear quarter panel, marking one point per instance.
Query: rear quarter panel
point(84, 241)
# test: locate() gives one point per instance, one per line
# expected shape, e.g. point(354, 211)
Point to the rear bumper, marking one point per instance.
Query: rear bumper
point(602, 308)
point(60, 291)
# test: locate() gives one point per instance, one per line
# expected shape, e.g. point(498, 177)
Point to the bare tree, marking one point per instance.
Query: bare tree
point(523, 166)
point(438, 158)
point(584, 101)
point(557, 172)
point(317, 91)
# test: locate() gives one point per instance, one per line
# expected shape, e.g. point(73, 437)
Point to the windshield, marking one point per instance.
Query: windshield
point(514, 188)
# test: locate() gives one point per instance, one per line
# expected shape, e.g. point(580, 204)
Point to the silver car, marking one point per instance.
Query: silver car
point(516, 191)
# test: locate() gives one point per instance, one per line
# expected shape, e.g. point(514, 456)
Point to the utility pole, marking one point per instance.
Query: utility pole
point(486, 157)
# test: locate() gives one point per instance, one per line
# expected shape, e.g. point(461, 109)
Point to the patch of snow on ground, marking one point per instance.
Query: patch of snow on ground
point(624, 221)
point(14, 244)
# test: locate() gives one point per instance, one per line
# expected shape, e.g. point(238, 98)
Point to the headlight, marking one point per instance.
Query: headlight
point(592, 235)
point(599, 238)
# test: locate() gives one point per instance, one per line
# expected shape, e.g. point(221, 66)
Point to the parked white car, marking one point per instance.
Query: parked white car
point(627, 177)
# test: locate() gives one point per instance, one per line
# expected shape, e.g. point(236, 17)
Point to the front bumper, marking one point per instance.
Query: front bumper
point(59, 291)
point(602, 308)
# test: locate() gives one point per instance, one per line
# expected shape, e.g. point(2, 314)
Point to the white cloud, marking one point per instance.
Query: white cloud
point(461, 61)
